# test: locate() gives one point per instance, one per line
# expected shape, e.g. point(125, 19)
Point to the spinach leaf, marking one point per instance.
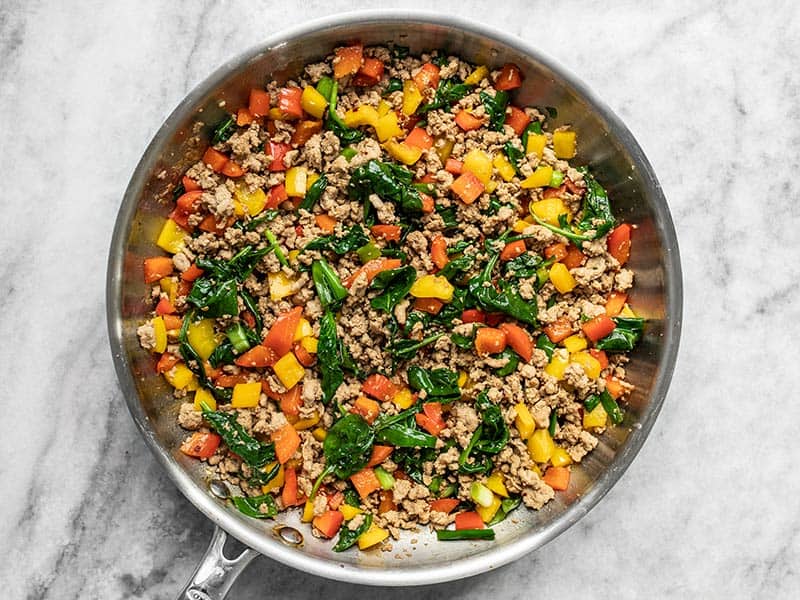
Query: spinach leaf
point(401, 430)
point(394, 284)
point(625, 336)
point(505, 300)
point(510, 366)
point(458, 247)
point(329, 355)
point(446, 535)
point(347, 448)
point(506, 506)
point(412, 461)
point(534, 127)
point(327, 283)
point(354, 239)
point(223, 130)
point(496, 108)
point(330, 91)
point(348, 537)
point(215, 292)
point(439, 385)
point(543, 343)
point(395, 85)
point(314, 193)
point(448, 216)
point(448, 92)
point(252, 307)
point(254, 453)
point(523, 266)
point(610, 405)
point(389, 181)
point(595, 207)
point(222, 354)
point(515, 155)
point(457, 268)
point(405, 349)
point(400, 52)
point(252, 224)
point(551, 427)
point(259, 477)
point(462, 341)
point(250, 506)
point(489, 438)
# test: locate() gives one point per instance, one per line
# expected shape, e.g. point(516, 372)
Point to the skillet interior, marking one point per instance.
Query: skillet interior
point(604, 143)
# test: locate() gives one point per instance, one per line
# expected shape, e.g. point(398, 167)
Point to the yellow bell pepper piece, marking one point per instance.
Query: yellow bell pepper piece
point(443, 147)
point(348, 511)
point(280, 285)
point(160, 334)
point(536, 144)
point(557, 365)
point(373, 535)
point(292, 255)
point(403, 399)
point(202, 338)
point(575, 343)
point(591, 366)
point(295, 183)
point(541, 446)
point(254, 202)
point(319, 434)
point(289, 371)
point(627, 312)
point(310, 344)
point(496, 483)
point(520, 225)
point(412, 97)
point(540, 178)
point(180, 377)
point(504, 166)
point(387, 127)
point(203, 396)
point(561, 278)
point(478, 75)
point(308, 512)
point(308, 423)
point(276, 114)
point(313, 102)
point(479, 164)
point(276, 482)
point(524, 421)
point(171, 237)
point(564, 144)
point(246, 395)
point(310, 179)
point(560, 457)
point(487, 513)
point(595, 418)
point(363, 115)
point(491, 186)
point(432, 286)
point(549, 209)
point(169, 287)
point(303, 330)
point(383, 108)
point(463, 379)
point(406, 154)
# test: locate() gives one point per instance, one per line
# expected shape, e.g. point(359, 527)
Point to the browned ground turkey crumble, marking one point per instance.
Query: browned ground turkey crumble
point(363, 330)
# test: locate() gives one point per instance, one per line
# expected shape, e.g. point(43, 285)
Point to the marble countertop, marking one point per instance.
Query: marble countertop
point(708, 509)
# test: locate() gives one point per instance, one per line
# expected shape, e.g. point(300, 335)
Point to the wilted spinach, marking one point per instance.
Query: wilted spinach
point(496, 108)
point(215, 292)
point(394, 285)
point(510, 366)
point(625, 336)
point(515, 155)
point(395, 85)
point(391, 182)
point(254, 453)
point(330, 91)
point(505, 300)
point(327, 283)
point(352, 240)
point(506, 506)
point(330, 355)
point(523, 266)
point(401, 430)
point(348, 537)
point(439, 385)
point(448, 92)
point(543, 343)
point(250, 506)
point(488, 439)
point(405, 349)
point(314, 193)
point(347, 448)
point(223, 130)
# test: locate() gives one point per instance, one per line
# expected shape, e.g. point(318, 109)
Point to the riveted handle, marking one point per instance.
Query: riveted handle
point(214, 576)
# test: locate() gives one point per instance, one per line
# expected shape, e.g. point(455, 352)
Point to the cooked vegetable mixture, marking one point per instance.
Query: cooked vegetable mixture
point(391, 300)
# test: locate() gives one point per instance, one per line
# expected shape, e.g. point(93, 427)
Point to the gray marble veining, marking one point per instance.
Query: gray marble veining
point(708, 509)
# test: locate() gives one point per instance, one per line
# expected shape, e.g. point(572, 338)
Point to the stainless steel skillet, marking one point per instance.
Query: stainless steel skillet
point(605, 144)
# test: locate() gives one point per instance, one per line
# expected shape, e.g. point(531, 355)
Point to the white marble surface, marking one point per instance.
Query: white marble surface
point(709, 508)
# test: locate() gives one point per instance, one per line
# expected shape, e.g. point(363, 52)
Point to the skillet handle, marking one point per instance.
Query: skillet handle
point(214, 576)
